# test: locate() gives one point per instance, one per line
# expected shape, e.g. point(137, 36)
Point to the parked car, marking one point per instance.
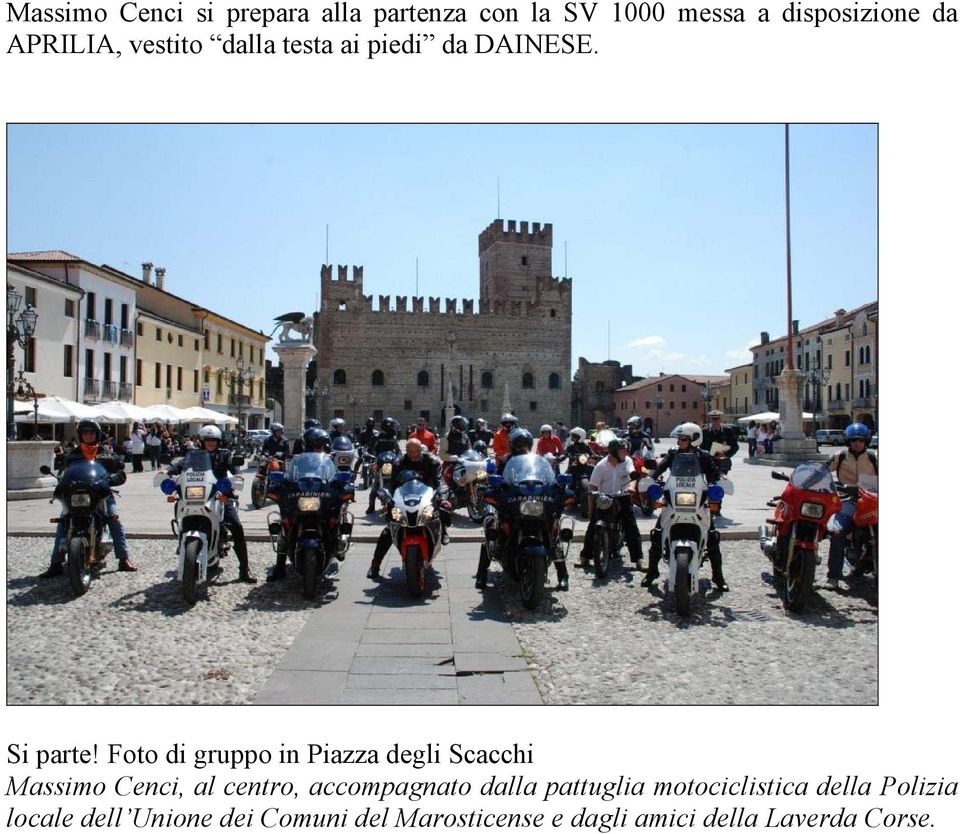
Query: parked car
point(873, 442)
point(830, 437)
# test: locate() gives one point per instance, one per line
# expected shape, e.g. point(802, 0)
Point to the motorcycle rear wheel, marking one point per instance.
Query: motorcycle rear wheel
point(414, 570)
point(798, 581)
point(533, 574)
point(602, 551)
point(78, 571)
point(258, 494)
point(191, 572)
point(474, 507)
point(309, 562)
point(682, 590)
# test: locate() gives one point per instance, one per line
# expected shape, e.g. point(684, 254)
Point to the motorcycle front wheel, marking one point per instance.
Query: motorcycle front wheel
point(799, 580)
point(474, 507)
point(191, 571)
point(602, 551)
point(78, 571)
point(414, 570)
point(533, 571)
point(682, 590)
point(309, 565)
point(258, 494)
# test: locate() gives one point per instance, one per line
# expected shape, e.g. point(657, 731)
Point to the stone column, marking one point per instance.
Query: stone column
point(294, 356)
point(794, 446)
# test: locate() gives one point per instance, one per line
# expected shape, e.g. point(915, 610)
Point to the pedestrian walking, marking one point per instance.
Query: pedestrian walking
point(153, 443)
point(752, 438)
point(136, 450)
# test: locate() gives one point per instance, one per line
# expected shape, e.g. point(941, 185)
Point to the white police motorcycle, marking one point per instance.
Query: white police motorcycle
point(685, 521)
point(202, 537)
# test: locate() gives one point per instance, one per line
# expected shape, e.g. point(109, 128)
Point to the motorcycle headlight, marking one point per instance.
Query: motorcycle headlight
point(310, 504)
point(481, 474)
point(196, 493)
point(811, 509)
point(604, 502)
point(582, 460)
point(685, 499)
point(387, 470)
point(427, 511)
point(80, 500)
point(531, 508)
point(396, 514)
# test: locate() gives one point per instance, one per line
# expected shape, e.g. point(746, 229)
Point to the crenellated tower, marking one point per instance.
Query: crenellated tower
point(514, 261)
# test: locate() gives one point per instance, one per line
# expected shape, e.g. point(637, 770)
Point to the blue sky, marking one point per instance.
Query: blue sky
point(674, 234)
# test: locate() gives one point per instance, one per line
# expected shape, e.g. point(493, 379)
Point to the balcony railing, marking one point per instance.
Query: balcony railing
point(91, 329)
point(126, 338)
point(126, 391)
point(865, 402)
point(110, 389)
point(91, 388)
point(836, 405)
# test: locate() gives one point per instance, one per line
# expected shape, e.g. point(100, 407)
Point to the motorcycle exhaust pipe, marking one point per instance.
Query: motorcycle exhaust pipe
point(767, 544)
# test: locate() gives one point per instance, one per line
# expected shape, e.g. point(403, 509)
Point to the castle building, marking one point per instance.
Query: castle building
point(404, 358)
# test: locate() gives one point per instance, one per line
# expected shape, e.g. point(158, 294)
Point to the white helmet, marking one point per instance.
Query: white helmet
point(546, 427)
point(578, 434)
point(691, 430)
point(276, 427)
point(210, 433)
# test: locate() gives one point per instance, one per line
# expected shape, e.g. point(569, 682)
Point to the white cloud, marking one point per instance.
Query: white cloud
point(673, 357)
point(654, 354)
point(700, 361)
point(647, 341)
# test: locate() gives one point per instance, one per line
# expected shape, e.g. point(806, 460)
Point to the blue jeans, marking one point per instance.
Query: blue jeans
point(838, 541)
point(116, 533)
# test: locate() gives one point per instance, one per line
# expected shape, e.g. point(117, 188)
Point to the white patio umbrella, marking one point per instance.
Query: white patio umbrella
point(118, 411)
point(197, 414)
point(767, 416)
point(162, 414)
point(54, 410)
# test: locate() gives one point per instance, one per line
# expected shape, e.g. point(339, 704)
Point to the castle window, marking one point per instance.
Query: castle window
point(408, 405)
point(376, 378)
point(553, 314)
point(423, 379)
point(533, 405)
point(523, 260)
point(342, 305)
point(486, 379)
point(599, 387)
point(339, 377)
point(554, 380)
point(527, 381)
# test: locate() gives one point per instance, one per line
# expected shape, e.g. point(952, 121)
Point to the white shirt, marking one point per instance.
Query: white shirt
point(611, 479)
point(153, 440)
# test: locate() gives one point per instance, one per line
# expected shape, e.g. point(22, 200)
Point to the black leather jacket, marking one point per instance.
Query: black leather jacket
point(725, 435)
point(707, 464)
point(425, 467)
point(385, 443)
point(271, 446)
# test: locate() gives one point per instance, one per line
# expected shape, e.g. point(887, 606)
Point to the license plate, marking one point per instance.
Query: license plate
point(687, 483)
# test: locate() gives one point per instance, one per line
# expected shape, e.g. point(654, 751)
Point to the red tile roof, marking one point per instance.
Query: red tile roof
point(49, 255)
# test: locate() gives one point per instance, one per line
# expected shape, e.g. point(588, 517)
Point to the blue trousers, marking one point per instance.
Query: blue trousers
point(838, 541)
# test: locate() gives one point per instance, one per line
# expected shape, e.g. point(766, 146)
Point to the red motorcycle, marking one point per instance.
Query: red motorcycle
point(639, 497)
point(862, 552)
point(262, 490)
point(799, 522)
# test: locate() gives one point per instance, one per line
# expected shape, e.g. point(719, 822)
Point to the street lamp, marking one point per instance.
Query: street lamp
point(25, 391)
point(818, 376)
point(658, 404)
point(707, 395)
point(238, 379)
point(20, 330)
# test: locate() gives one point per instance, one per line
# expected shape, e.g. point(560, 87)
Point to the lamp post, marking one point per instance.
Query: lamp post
point(707, 394)
point(658, 404)
point(20, 330)
point(818, 376)
point(25, 391)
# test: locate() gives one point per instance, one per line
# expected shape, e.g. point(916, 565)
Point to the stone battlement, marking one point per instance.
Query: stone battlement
point(326, 274)
point(537, 234)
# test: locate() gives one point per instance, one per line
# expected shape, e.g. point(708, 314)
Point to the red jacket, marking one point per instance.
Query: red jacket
point(427, 438)
point(545, 445)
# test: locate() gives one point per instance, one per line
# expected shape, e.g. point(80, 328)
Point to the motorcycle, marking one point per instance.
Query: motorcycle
point(367, 462)
point(313, 524)
point(802, 512)
point(640, 498)
point(580, 469)
point(608, 532)
point(861, 552)
point(203, 539)
point(382, 472)
point(414, 527)
point(83, 488)
point(685, 521)
point(465, 476)
point(260, 492)
point(524, 528)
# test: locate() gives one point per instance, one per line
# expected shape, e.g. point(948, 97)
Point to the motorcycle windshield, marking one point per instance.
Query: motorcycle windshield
point(869, 482)
point(813, 477)
point(525, 468)
point(196, 460)
point(412, 491)
point(685, 465)
point(84, 472)
point(312, 465)
point(472, 455)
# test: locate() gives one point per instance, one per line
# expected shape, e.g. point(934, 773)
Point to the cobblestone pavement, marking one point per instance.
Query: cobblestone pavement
point(617, 643)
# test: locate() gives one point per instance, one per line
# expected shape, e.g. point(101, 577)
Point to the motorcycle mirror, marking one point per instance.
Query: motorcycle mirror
point(565, 479)
point(715, 493)
point(495, 480)
point(491, 467)
point(45, 470)
point(344, 477)
point(654, 492)
point(384, 496)
point(779, 476)
point(224, 485)
point(168, 486)
point(239, 461)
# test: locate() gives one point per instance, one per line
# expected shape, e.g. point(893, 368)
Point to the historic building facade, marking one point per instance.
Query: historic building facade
point(404, 357)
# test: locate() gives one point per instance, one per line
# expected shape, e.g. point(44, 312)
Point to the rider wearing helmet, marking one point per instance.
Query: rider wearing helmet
point(457, 440)
point(309, 423)
point(689, 439)
point(368, 434)
point(501, 440)
point(638, 441)
point(549, 443)
point(849, 464)
point(90, 434)
point(424, 466)
point(338, 428)
point(481, 432)
point(276, 442)
point(221, 462)
point(612, 476)
point(386, 441)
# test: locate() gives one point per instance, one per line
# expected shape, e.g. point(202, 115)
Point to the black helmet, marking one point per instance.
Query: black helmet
point(458, 423)
point(508, 420)
point(342, 444)
point(521, 441)
point(480, 448)
point(315, 440)
point(389, 426)
point(89, 425)
point(371, 422)
point(311, 423)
